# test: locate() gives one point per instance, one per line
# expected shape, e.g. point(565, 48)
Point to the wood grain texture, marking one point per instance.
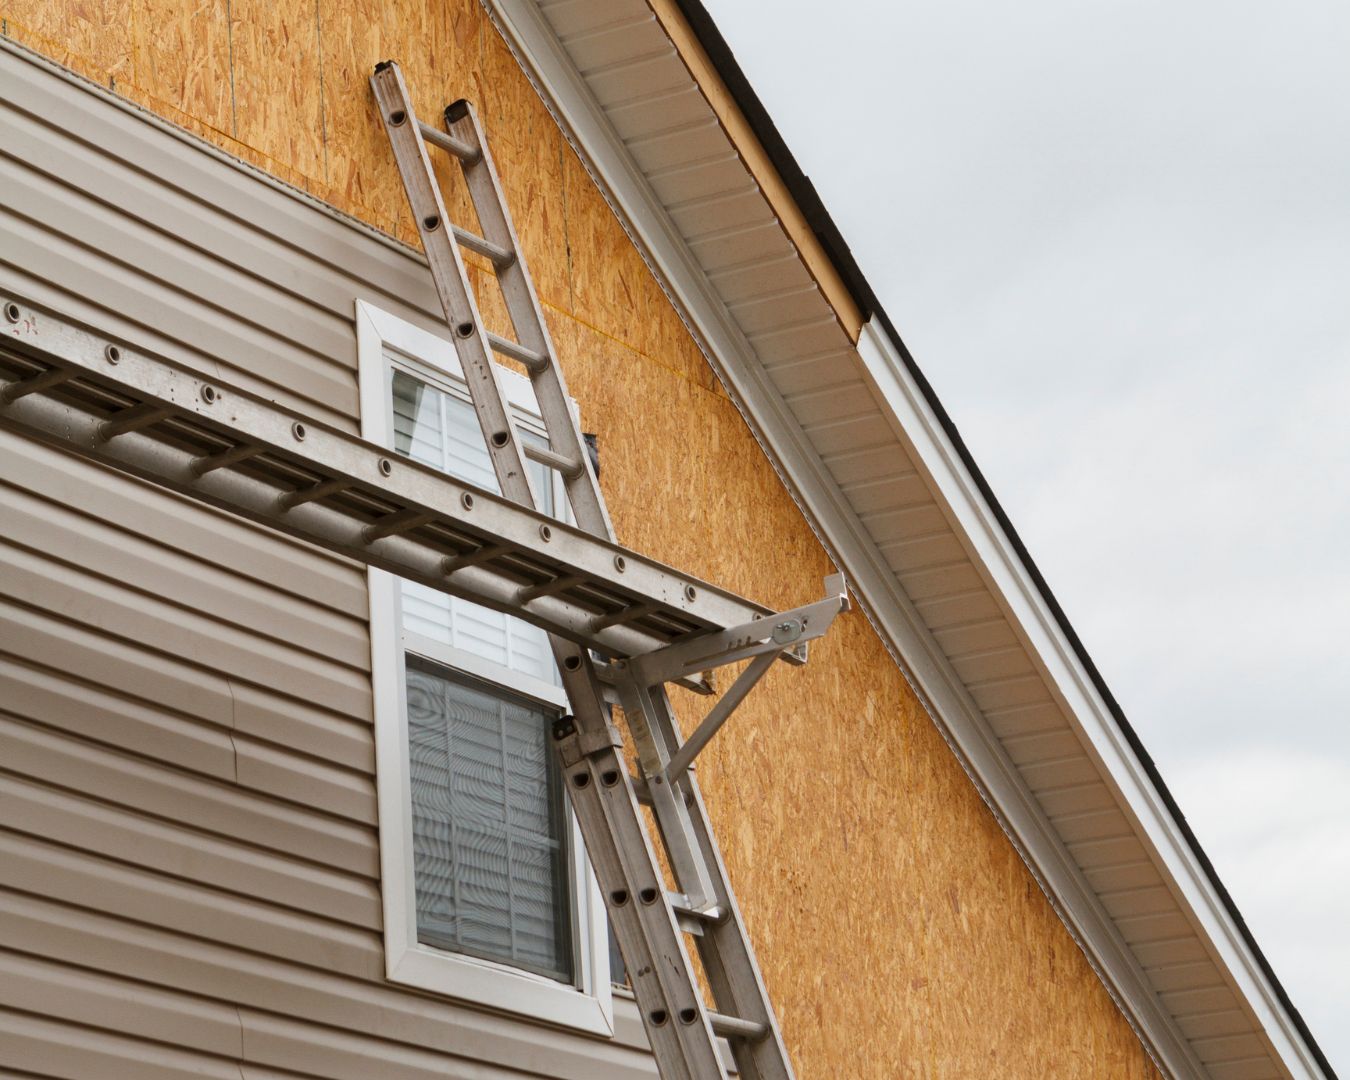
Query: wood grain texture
point(900, 934)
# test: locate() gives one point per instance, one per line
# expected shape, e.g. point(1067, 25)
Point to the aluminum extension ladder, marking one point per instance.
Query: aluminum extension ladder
point(650, 921)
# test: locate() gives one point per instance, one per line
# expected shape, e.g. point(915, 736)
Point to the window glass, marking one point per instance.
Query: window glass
point(487, 821)
point(441, 430)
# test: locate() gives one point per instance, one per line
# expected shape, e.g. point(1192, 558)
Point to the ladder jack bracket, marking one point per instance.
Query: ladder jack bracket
point(762, 641)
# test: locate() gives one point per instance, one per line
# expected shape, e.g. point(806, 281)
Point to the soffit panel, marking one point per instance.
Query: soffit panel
point(725, 221)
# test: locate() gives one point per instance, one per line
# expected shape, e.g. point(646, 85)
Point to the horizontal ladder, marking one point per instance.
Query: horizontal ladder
point(130, 410)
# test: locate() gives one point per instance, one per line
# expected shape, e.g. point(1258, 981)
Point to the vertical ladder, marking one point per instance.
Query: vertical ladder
point(650, 921)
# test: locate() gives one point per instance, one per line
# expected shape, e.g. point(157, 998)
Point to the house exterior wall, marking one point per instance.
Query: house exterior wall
point(189, 846)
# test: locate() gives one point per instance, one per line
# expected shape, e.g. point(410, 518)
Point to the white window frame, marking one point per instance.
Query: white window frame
point(586, 1005)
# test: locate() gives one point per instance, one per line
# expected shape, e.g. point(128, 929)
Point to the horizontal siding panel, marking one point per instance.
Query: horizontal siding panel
point(167, 848)
point(62, 994)
point(60, 533)
point(813, 336)
point(190, 965)
point(208, 340)
point(136, 727)
point(283, 564)
point(41, 640)
point(147, 620)
point(137, 894)
point(47, 1048)
point(69, 183)
point(1147, 900)
point(1043, 746)
point(146, 692)
point(199, 802)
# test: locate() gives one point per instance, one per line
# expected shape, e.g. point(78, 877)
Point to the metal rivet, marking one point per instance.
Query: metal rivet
point(619, 897)
point(500, 438)
point(12, 312)
point(431, 223)
point(690, 593)
point(688, 1016)
point(572, 662)
point(648, 895)
point(620, 563)
point(464, 329)
point(386, 467)
point(545, 533)
point(609, 777)
point(658, 1017)
point(581, 779)
point(112, 354)
point(209, 394)
point(298, 430)
point(397, 117)
point(466, 501)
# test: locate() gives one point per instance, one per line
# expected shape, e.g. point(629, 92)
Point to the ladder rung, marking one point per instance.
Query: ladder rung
point(542, 454)
point(235, 454)
point(733, 1027)
point(462, 150)
point(693, 920)
point(624, 615)
point(549, 588)
point(500, 257)
point(532, 360)
point(486, 553)
point(133, 419)
point(398, 522)
point(320, 490)
point(37, 383)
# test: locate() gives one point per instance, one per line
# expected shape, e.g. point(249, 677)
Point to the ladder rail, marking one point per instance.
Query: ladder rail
point(650, 923)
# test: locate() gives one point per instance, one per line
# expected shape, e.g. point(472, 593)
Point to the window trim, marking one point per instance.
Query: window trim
point(588, 1004)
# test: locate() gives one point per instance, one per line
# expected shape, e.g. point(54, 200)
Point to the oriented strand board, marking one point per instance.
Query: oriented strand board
point(899, 932)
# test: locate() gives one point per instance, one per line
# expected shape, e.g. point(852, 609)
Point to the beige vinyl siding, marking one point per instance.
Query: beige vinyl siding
point(189, 872)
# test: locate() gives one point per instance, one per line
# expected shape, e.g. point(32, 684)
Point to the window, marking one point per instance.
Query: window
point(487, 893)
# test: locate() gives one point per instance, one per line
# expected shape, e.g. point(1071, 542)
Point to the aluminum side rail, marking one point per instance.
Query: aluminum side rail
point(134, 412)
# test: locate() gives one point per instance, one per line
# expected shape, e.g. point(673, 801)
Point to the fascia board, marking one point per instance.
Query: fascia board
point(934, 455)
point(827, 508)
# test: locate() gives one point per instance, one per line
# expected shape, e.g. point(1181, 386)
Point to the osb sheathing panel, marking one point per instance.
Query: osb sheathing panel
point(899, 933)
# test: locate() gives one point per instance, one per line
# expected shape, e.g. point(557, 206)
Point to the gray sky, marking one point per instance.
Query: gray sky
point(1117, 239)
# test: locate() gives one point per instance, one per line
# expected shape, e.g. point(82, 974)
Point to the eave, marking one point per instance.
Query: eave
point(660, 114)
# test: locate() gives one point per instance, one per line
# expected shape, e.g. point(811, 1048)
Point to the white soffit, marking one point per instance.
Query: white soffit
point(861, 448)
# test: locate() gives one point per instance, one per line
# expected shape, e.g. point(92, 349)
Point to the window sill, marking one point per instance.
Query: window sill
point(495, 986)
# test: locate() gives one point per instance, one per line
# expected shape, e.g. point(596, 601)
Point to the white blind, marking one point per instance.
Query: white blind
point(488, 853)
point(486, 811)
point(440, 430)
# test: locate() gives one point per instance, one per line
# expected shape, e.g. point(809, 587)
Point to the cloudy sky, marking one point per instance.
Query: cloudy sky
point(1116, 237)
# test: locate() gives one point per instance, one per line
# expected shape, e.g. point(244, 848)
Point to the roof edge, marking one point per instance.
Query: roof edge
point(835, 246)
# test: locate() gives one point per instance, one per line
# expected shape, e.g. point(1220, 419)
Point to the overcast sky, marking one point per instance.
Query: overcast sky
point(1116, 237)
